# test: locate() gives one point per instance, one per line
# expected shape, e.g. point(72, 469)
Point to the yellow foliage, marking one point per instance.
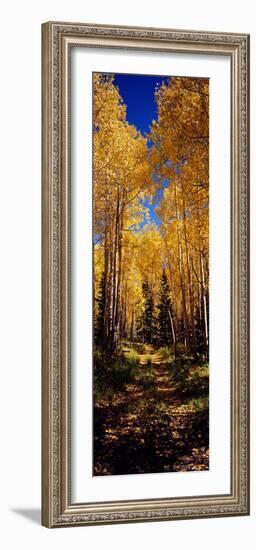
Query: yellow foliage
point(128, 248)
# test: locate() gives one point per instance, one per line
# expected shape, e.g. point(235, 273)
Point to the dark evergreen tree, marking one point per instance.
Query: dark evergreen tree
point(165, 312)
point(199, 329)
point(201, 343)
point(99, 322)
point(148, 324)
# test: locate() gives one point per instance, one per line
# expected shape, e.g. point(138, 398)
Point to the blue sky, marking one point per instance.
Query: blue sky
point(137, 92)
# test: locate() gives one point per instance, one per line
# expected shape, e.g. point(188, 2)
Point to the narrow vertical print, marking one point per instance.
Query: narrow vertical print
point(150, 274)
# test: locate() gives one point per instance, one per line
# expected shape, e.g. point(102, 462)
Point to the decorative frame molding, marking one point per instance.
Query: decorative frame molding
point(57, 41)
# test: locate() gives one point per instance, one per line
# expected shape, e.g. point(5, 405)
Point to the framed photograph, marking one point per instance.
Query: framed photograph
point(145, 274)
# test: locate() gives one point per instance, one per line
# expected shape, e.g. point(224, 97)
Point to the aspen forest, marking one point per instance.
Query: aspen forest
point(150, 274)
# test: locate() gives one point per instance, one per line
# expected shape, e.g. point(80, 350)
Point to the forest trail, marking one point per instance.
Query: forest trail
point(155, 356)
point(148, 426)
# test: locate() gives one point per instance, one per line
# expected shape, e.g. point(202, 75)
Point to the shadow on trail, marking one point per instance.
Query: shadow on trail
point(145, 427)
point(171, 445)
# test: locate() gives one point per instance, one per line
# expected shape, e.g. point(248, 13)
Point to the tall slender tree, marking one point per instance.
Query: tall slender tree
point(165, 312)
point(148, 313)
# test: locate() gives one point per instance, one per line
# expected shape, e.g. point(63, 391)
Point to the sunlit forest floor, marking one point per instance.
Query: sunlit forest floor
point(151, 411)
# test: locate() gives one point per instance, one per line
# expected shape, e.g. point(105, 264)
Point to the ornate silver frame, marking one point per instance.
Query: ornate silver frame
point(57, 41)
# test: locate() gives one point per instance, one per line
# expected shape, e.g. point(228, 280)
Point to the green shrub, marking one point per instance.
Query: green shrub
point(195, 404)
point(190, 376)
point(165, 353)
point(111, 373)
point(133, 356)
